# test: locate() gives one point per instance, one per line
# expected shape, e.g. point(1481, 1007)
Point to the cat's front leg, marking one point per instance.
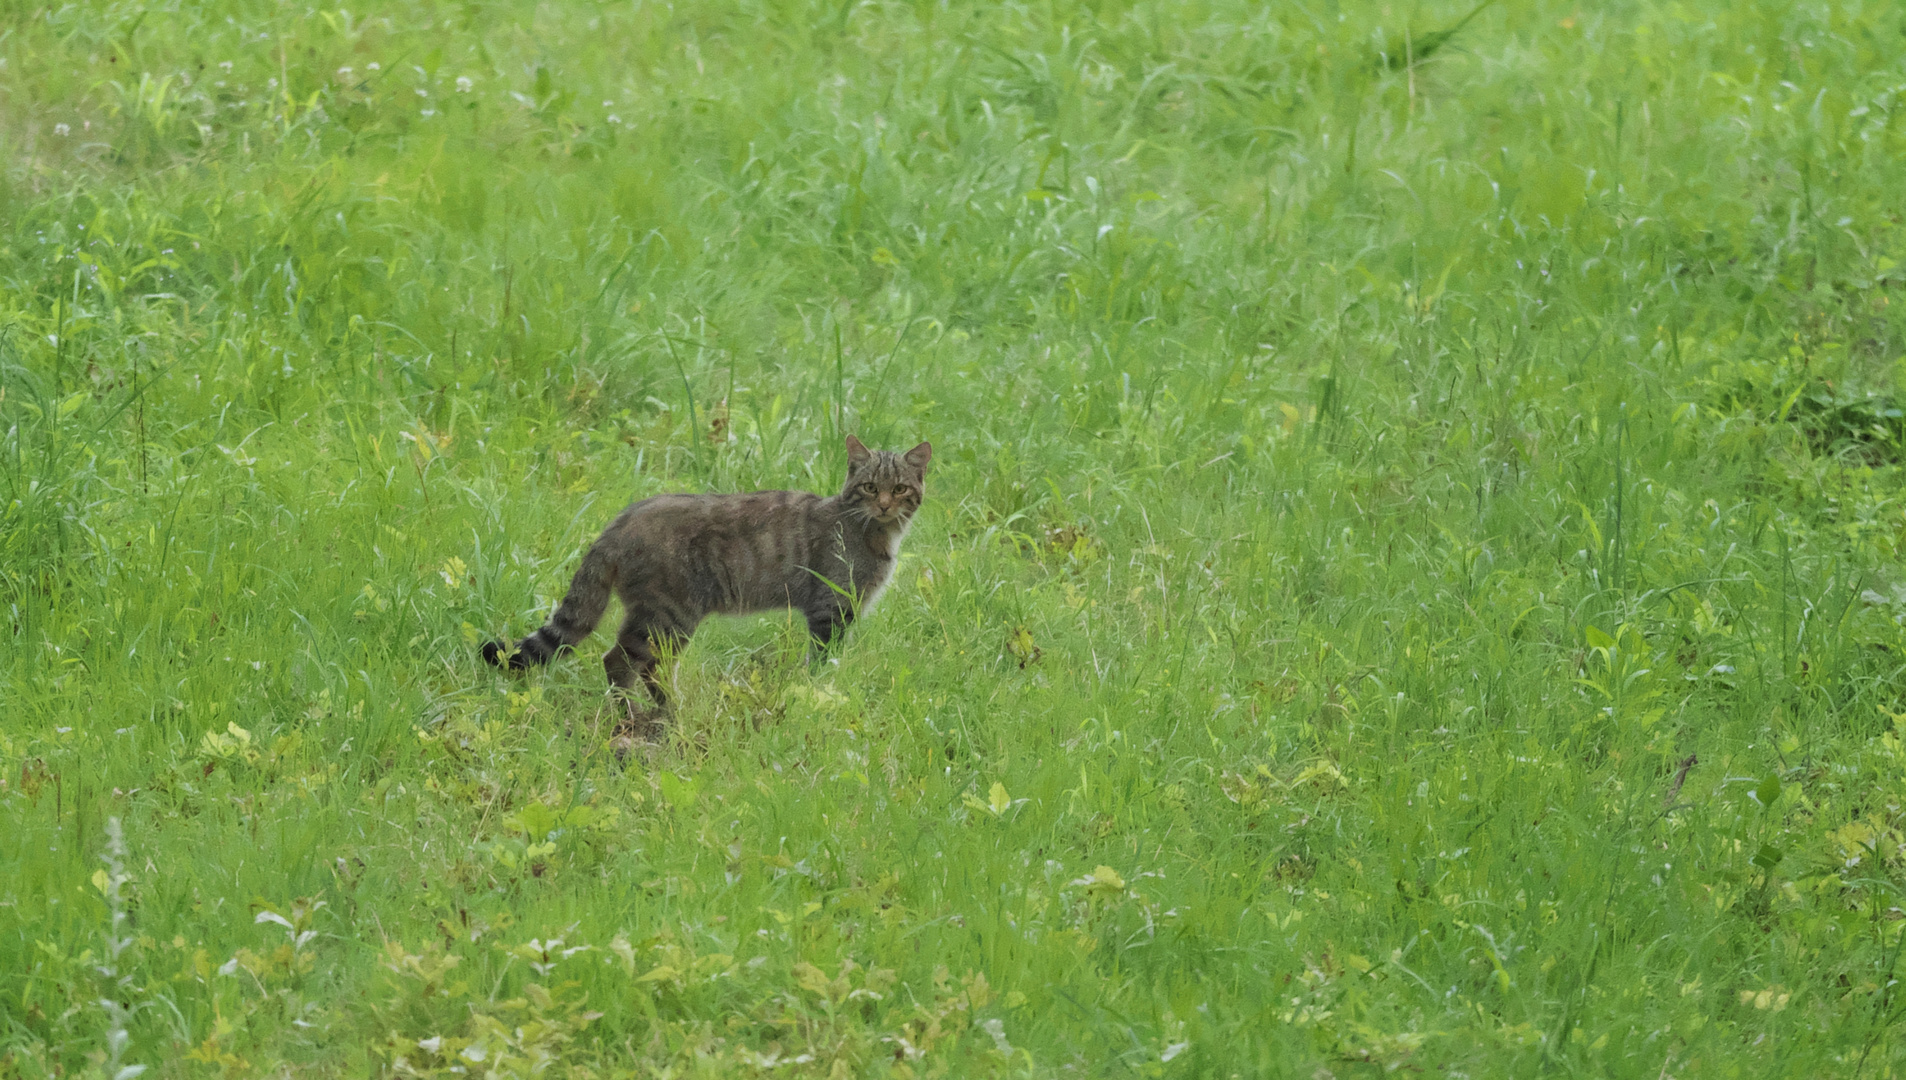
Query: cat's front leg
point(827, 628)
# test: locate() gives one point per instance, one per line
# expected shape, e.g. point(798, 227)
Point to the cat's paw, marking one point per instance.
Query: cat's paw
point(641, 722)
point(640, 732)
point(622, 746)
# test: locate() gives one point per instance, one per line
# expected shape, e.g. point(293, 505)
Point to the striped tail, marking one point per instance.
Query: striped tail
point(576, 617)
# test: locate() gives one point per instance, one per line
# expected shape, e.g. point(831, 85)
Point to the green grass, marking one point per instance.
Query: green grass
point(1364, 479)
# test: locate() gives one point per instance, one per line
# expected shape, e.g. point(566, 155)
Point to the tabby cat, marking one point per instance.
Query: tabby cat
point(675, 559)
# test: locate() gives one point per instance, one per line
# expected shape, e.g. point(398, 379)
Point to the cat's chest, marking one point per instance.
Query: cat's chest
point(874, 567)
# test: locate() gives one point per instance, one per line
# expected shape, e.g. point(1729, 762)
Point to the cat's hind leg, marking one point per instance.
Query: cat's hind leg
point(637, 657)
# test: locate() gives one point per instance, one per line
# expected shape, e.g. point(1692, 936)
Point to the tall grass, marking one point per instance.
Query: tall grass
point(1409, 579)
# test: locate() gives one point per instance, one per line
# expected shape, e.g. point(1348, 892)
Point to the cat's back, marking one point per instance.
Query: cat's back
point(730, 553)
point(695, 519)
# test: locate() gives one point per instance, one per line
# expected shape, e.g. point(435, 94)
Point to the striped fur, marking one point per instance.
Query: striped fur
point(673, 560)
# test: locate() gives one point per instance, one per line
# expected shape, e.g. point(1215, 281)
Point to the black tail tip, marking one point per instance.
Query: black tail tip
point(497, 653)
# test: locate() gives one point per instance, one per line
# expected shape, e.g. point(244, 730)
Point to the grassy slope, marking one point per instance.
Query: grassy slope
point(1358, 489)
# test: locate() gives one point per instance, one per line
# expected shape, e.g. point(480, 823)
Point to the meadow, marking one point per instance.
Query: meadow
point(1410, 581)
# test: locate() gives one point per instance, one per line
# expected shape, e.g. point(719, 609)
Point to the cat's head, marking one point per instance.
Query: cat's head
point(883, 486)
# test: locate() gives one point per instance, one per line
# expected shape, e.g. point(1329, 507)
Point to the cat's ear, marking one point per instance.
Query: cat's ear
point(919, 456)
point(857, 454)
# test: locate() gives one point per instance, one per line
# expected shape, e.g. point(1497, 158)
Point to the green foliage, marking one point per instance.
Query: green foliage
point(1410, 579)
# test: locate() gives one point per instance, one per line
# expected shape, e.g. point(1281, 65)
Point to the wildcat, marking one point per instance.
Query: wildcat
point(675, 559)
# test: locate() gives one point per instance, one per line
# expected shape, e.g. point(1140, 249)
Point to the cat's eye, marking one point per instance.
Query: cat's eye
point(900, 491)
point(869, 489)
